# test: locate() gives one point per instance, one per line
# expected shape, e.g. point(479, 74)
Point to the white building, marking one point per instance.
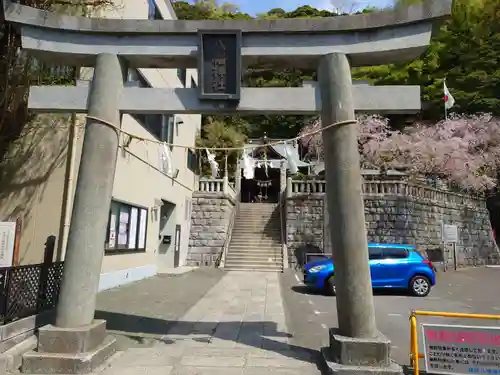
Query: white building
point(151, 208)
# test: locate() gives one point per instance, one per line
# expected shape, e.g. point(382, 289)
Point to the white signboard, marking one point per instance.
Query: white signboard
point(450, 233)
point(454, 349)
point(7, 237)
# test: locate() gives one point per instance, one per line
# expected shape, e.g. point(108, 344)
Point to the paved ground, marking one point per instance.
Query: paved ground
point(139, 314)
point(473, 290)
point(238, 327)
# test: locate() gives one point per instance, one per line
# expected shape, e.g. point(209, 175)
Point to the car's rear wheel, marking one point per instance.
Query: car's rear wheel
point(420, 286)
point(330, 286)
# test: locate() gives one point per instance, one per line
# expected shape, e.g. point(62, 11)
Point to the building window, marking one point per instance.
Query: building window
point(153, 11)
point(135, 79)
point(168, 128)
point(192, 161)
point(161, 126)
point(182, 75)
point(127, 226)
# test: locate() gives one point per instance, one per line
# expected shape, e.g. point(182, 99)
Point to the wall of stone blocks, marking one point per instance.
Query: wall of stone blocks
point(210, 217)
point(396, 219)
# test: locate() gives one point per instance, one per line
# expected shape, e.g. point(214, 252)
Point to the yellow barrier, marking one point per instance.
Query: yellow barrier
point(414, 354)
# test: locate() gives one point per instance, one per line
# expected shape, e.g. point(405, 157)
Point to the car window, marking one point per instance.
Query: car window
point(394, 253)
point(374, 253)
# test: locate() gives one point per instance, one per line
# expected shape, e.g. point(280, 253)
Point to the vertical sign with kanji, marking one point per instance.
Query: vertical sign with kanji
point(7, 238)
point(219, 65)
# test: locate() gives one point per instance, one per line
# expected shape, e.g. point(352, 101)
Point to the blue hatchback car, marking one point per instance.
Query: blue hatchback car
point(391, 266)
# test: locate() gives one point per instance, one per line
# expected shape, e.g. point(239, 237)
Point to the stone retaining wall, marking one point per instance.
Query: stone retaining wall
point(396, 212)
point(210, 217)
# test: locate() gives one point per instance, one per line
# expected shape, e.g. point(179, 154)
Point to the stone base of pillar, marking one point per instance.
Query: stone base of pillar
point(70, 350)
point(347, 355)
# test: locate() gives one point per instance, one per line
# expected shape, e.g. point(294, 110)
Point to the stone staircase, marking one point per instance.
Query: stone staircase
point(256, 239)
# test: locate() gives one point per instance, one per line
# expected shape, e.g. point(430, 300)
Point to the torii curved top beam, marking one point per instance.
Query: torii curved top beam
point(368, 39)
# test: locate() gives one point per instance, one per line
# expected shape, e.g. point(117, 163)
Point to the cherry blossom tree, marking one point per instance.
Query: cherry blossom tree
point(463, 150)
point(373, 131)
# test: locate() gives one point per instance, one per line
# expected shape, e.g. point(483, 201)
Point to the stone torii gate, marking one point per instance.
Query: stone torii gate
point(220, 50)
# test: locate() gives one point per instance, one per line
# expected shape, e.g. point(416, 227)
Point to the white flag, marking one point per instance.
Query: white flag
point(449, 100)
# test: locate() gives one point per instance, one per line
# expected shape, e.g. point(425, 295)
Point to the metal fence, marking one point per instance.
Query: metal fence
point(28, 290)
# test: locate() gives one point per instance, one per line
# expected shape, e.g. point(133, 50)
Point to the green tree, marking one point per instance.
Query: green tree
point(466, 50)
point(208, 10)
point(18, 71)
point(218, 134)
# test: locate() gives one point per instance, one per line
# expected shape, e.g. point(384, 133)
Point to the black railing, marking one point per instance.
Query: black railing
point(29, 290)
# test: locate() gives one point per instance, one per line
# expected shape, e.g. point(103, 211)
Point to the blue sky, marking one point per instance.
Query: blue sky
point(260, 6)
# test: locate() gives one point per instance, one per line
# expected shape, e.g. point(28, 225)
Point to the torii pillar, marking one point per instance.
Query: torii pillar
point(77, 343)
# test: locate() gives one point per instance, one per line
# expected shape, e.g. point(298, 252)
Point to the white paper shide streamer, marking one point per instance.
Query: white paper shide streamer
point(165, 159)
point(214, 166)
point(292, 165)
point(248, 167)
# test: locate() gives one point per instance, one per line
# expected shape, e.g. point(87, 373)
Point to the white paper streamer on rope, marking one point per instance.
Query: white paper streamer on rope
point(214, 166)
point(292, 165)
point(166, 159)
point(266, 165)
point(248, 167)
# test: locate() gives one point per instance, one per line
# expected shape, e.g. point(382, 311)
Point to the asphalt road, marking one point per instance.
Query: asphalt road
point(473, 290)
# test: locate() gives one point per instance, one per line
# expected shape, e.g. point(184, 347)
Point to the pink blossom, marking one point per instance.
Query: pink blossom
point(463, 150)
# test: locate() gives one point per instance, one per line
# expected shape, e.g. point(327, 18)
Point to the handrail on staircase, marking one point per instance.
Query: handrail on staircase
point(284, 246)
point(232, 219)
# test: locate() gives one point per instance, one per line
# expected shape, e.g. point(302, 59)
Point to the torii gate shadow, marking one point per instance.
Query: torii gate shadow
point(256, 333)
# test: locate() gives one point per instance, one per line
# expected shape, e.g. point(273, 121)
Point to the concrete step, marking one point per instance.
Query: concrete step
point(253, 259)
point(254, 249)
point(252, 269)
point(257, 230)
point(259, 211)
point(256, 256)
point(11, 360)
point(254, 246)
point(250, 235)
point(243, 223)
point(257, 215)
point(249, 220)
point(260, 227)
point(256, 235)
point(254, 240)
point(254, 263)
point(257, 226)
point(259, 208)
